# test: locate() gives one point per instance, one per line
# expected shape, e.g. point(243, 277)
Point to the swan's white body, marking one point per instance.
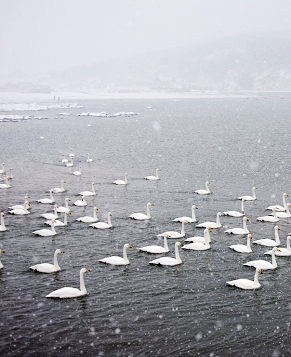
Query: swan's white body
point(236, 213)
point(46, 232)
point(6, 184)
point(2, 171)
point(71, 154)
point(249, 198)
point(185, 218)
point(71, 163)
point(21, 206)
point(2, 225)
point(216, 224)
point(286, 214)
point(199, 245)
point(59, 189)
point(48, 200)
point(88, 158)
point(168, 260)
point(142, 216)
point(78, 173)
point(66, 208)
point(51, 215)
point(263, 264)
point(64, 159)
point(88, 193)
point(247, 284)
point(47, 267)
point(1, 265)
point(58, 223)
point(69, 292)
point(198, 239)
point(271, 219)
point(153, 178)
point(121, 182)
point(240, 248)
point(204, 192)
point(279, 208)
point(103, 225)
point(89, 219)
point(174, 234)
point(114, 260)
point(283, 252)
point(81, 203)
point(20, 211)
point(270, 242)
point(156, 249)
point(243, 230)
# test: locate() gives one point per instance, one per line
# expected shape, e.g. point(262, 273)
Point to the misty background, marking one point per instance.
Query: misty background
point(145, 45)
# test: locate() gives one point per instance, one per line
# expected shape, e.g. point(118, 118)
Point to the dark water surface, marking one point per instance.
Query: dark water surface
point(143, 310)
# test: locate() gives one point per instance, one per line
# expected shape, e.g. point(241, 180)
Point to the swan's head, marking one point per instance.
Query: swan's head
point(277, 228)
point(2, 214)
point(285, 194)
point(195, 207)
point(83, 198)
point(63, 181)
point(84, 270)
point(186, 221)
point(250, 236)
point(150, 204)
point(260, 271)
point(128, 246)
point(126, 174)
point(220, 214)
point(69, 212)
point(68, 199)
point(93, 183)
point(245, 219)
point(275, 249)
point(209, 229)
point(179, 243)
point(208, 182)
point(254, 188)
point(110, 214)
point(96, 208)
point(2, 251)
point(27, 197)
point(61, 251)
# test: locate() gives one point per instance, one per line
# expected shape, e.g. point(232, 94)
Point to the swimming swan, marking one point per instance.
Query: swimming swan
point(114, 260)
point(270, 242)
point(46, 232)
point(47, 200)
point(88, 193)
point(47, 267)
point(64, 160)
point(66, 208)
point(174, 234)
point(249, 198)
point(78, 173)
point(216, 224)
point(121, 182)
point(156, 249)
point(240, 248)
point(59, 189)
point(272, 219)
point(103, 225)
point(20, 211)
point(88, 158)
point(71, 163)
point(245, 283)
point(286, 214)
point(189, 219)
point(142, 216)
point(58, 223)
point(51, 215)
point(198, 239)
point(154, 178)
point(89, 219)
point(2, 225)
point(236, 213)
point(168, 260)
point(243, 230)
point(1, 265)
point(21, 206)
point(204, 192)
point(199, 245)
point(6, 184)
point(81, 203)
point(279, 208)
point(283, 252)
point(263, 264)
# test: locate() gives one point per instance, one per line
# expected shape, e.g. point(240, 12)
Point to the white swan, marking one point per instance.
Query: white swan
point(156, 249)
point(88, 158)
point(47, 200)
point(249, 198)
point(1, 265)
point(6, 184)
point(272, 219)
point(89, 219)
point(21, 211)
point(216, 224)
point(283, 252)
point(142, 216)
point(174, 234)
point(198, 239)
point(2, 171)
point(263, 264)
point(71, 153)
point(47, 267)
point(46, 232)
point(153, 178)
point(168, 260)
point(66, 208)
point(246, 283)
point(240, 248)
point(103, 225)
point(88, 193)
point(57, 222)
point(21, 206)
point(60, 189)
point(236, 213)
point(270, 242)
point(64, 160)
point(78, 173)
point(204, 192)
point(279, 208)
point(69, 292)
point(51, 215)
point(81, 203)
point(199, 245)
point(121, 182)
point(286, 214)
point(2, 225)
point(243, 230)
point(71, 163)
point(185, 218)
point(114, 260)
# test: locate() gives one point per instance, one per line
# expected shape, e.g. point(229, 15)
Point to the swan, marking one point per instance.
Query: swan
point(121, 182)
point(240, 248)
point(81, 203)
point(142, 216)
point(51, 215)
point(263, 264)
point(199, 245)
point(282, 252)
point(21, 206)
point(64, 159)
point(246, 283)
point(71, 154)
point(236, 213)
point(2, 225)
point(103, 225)
point(273, 218)
point(114, 260)
point(153, 178)
point(46, 232)
point(1, 265)
point(88, 158)
point(168, 260)
point(21, 211)
point(89, 219)
point(88, 193)
point(47, 200)
point(270, 242)
point(6, 184)
point(58, 223)
point(78, 173)
point(198, 239)
point(243, 230)
point(66, 208)
point(204, 192)
point(216, 224)
point(156, 248)
point(46, 267)
point(68, 292)
point(59, 189)
point(189, 219)
point(286, 214)
point(2, 171)
point(71, 163)
point(249, 198)
point(173, 234)
point(278, 207)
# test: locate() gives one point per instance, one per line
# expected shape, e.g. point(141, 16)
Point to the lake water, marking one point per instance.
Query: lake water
point(144, 310)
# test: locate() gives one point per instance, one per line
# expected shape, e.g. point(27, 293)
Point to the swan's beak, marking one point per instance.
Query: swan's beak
point(278, 250)
point(69, 212)
point(129, 246)
point(180, 244)
point(250, 236)
point(2, 251)
point(2, 214)
point(61, 251)
point(87, 270)
point(260, 271)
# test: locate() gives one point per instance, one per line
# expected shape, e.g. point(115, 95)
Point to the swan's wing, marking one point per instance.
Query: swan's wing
point(195, 246)
point(65, 292)
point(233, 213)
point(101, 225)
point(261, 264)
point(44, 268)
point(164, 261)
point(266, 242)
point(240, 248)
point(86, 219)
point(138, 216)
point(195, 239)
point(114, 260)
point(153, 249)
point(207, 224)
point(242, 283)
point(184, 219)
point(278, 208)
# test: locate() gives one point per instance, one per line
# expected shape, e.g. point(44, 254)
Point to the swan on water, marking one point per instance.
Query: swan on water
point(46, 232)
point(282, 252)
point(64, 159)
point(236, 213)
point(2, 171)
point(246, 283)
point(121, 182)
point(71, 153)
point(88, 193)
point(279, 208)
point(2, 225)
point(47, 200)
point(103, 225)
point(81, 203)
point(1, 265)
point(142, 216)
point(153, 178)
point(286, 214)
point(263, 264)
point(21, 211)
point(156, 249)
point(204, 192)
point(69, 292)
point(21, 206)
point(270, 242)
point(71, 163)
point(66, 208)
point(57, 222)
point(272, 219)
point(185, 218)
point(240, 248)
point(60, 189)
point(114, 260)
point(6, 184)
point(243, 230)
point(89, 219)
point(216, 224)
point(51, 215)
point(78, 173)
point(88, 158)
point(249, 198)
point(168, 260)
point(174, 234)
point(199, 245)
point(198, 239)
point(47, 267)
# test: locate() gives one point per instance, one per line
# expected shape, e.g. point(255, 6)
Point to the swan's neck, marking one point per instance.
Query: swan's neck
point(245, 225)
point(284, 203)
point(82, 283)
point(66, 219)
point(53, 227)
point(56, 213)
point(177, 255)
point(2, 222)
point(288, 244)
point(148, 211)
point(109, 220)
point(207, 236)
point(125, 179)
point(56, 264)
point(287, 210)
point(275, 214)
point(51, 196)
point(249, 243)
point(242, 207)
point(25, 208)
point(62, 185)
point(183, 229)
point(157, 173)
point(67, 205)
point(277, 239)
point(166, 243)
point(93, 189)
point(207, 188)
point(94, 214)
point(193, 214)
point(125, 255)
point(1, 265)
point(274, 262)
point(256, 279)
point(217, 219)
point(207, 240)
point(254, 193)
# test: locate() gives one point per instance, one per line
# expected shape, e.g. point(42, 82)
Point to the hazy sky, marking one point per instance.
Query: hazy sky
point(44, 35)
